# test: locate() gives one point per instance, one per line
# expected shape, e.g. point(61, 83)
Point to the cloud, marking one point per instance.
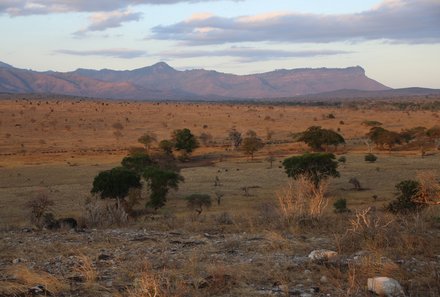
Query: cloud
point(115, 52)
point(406, 21)
point(247, 54)
point(31, 7)
point(103, 20)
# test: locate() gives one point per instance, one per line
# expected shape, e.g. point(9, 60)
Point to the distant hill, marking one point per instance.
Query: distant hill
point(162, 82)
point(360, 94)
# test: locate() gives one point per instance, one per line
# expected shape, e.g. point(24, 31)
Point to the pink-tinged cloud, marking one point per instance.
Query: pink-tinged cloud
point(406, 21)
point(248, 54)
point(114, 52)
point(32, 7)
point(104, 20)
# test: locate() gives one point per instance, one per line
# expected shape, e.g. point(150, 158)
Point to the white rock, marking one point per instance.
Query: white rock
point(385, 286)
point(322, 255)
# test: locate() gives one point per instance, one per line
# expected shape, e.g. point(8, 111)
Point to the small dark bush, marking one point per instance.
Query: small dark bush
point(341, 206)
point(370, 158)
point(342, 159)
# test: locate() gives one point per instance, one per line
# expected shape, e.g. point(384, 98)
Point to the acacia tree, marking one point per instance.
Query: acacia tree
point(315, 137)
point(115, 183)
point(160, 181)
point(184, 141)
point(251, 143)
point(316, 166)
point(382, 137)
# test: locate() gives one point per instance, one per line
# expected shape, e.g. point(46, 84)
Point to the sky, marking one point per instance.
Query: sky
point(397, 42)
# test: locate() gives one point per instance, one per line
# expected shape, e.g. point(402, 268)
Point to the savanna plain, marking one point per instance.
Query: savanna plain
point(253, 237)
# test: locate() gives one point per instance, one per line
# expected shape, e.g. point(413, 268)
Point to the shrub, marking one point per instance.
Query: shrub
point(340, 205)
point(370, 158)
point(408, 191)
point(342, 159)
point(371, 123)
point(198, 201)
point(39, 206)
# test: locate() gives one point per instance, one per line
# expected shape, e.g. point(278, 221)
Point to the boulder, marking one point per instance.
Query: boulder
point(322, 255)
point(385, 286)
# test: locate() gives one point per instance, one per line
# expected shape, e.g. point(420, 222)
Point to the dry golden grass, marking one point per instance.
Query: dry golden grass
point(25, 278)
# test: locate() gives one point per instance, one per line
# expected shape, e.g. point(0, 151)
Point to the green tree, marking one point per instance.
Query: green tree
point(198, 201)
point(147, 140)
point(251, 143)
point(184, 141)
point(137, 162)
point(315, 137)
point(160, 181)
point(115, 183)
point(316, 166)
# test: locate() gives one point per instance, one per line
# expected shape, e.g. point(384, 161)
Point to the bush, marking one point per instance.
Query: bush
point(341, 206)
point(408, 191)
point(198, 201)
point(370, 158)
point(39, 206)
point(342, 159)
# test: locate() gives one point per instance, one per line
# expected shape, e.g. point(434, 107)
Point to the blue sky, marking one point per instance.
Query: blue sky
point(396, 41)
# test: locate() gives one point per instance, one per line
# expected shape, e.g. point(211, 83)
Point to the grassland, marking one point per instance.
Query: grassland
point(58, 146)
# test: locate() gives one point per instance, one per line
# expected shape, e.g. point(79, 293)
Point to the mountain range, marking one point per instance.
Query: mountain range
point(162, 82)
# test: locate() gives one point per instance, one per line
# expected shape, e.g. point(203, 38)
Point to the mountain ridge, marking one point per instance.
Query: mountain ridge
point(161, 81)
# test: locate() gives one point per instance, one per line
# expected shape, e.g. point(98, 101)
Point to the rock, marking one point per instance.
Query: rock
point(18, 260)
point(322, 255)
point(39, 290)
point(104, 257)
point(385, 286)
